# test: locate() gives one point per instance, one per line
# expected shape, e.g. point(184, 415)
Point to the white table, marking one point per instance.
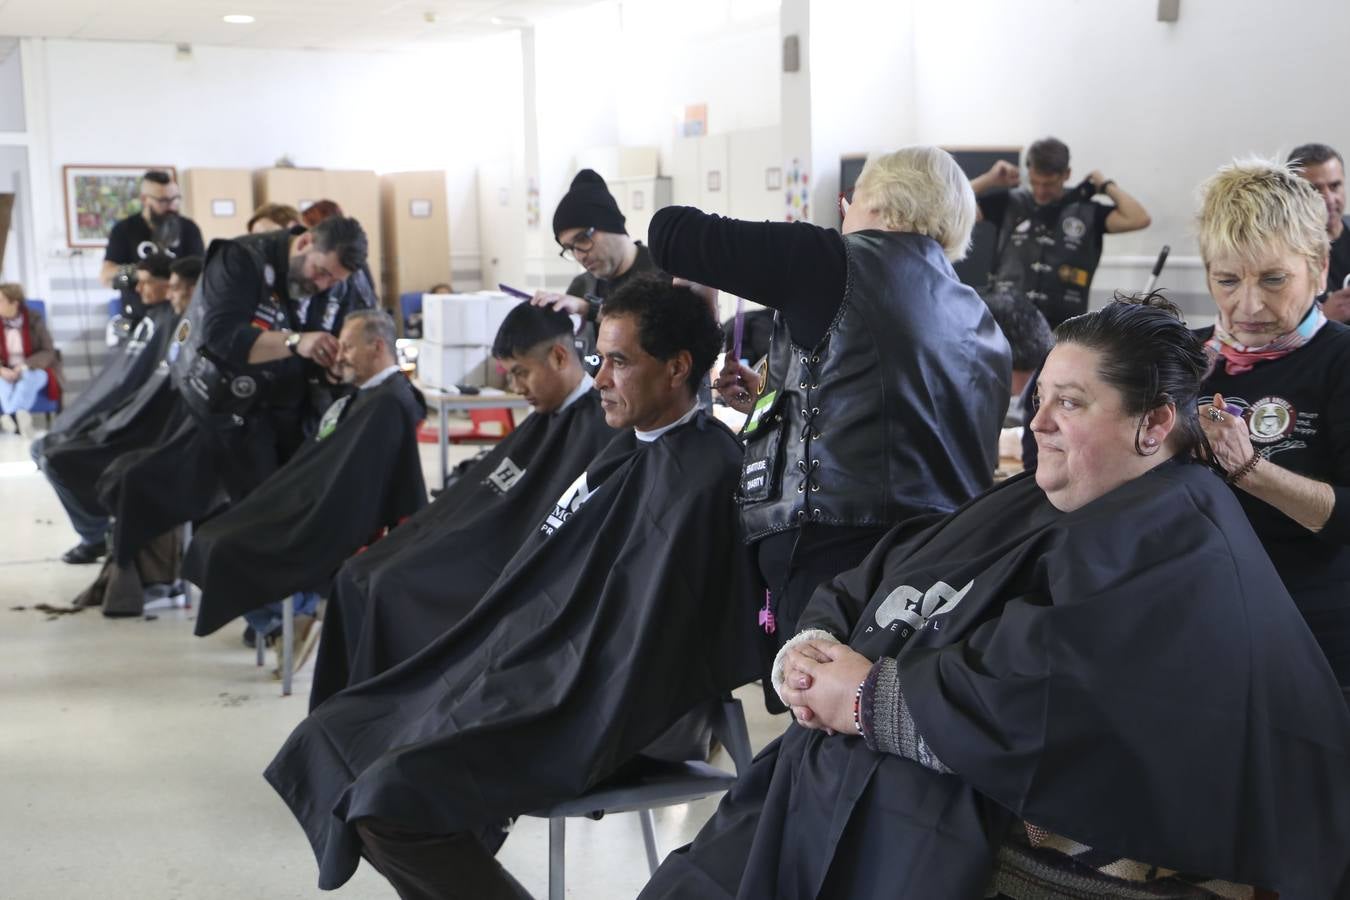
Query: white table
point(445, 401)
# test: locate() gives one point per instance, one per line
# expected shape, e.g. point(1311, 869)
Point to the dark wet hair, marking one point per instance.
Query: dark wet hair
point(342, 236)
point(670, 319)
point(1024, 326)
point(527, 326)
point(1048, 155)
point(159, 265)
point(1146, 352)
point(189, 268)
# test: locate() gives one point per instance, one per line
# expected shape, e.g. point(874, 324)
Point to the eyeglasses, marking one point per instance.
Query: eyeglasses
point(162, 201)
point(583, 244)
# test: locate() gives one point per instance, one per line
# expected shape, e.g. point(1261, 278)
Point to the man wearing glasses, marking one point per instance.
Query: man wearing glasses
point(157, 228)
point(589, 227)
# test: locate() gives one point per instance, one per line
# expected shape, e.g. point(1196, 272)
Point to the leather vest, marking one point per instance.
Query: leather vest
point(1050, 252)
point(895, 413)
point(216, 391)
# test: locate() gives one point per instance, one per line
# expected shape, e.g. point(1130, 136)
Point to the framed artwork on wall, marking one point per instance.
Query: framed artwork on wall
point(97, 196)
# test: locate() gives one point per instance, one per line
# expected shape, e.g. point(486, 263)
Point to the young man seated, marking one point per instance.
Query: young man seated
point(359, 474)
point(576, 659)
point(396, 597)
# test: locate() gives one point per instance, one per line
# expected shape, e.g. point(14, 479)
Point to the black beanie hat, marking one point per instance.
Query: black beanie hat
point(588, 204)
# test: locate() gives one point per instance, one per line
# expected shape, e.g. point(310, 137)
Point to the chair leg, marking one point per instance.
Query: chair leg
point(557, 839)
point(649, 839)
point(287, 640)
point(260, 643)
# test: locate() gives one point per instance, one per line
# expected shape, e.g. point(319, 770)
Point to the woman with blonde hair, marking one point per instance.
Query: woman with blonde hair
point(886, 381)
point(1277, 404)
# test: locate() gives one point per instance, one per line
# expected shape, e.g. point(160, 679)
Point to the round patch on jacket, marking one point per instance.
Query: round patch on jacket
point(1074, 228)
point(243, 387)
point(184, 329)
point(1271, 419)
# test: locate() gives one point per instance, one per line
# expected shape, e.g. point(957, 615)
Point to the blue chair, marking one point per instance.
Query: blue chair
point(410, 304)
point(44, 403)
point(114, 307)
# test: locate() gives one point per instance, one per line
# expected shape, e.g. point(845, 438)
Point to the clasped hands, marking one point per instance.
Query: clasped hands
point(820, 683)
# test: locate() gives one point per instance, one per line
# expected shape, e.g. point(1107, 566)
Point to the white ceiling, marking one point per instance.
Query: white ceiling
point(386, 25)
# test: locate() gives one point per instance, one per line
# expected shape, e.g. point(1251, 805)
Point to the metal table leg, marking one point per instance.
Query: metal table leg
point(443, 438)
point(287, 643)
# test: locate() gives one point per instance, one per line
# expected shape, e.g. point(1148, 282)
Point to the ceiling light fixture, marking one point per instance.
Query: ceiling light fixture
point(238, 19)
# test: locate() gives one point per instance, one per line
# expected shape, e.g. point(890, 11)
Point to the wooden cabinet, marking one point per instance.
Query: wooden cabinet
point(416, 229)
point(220, 201)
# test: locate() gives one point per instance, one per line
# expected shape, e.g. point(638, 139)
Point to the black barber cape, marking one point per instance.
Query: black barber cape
point(620, 614)
point(360, 474)
point(79, 460)
point(128, 366)
point(411, 587)
point(1131, 675)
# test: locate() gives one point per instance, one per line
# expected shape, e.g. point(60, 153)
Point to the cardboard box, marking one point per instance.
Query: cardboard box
point(416, 229)
point(220, 201)
point(464, 319)
point(443, 367)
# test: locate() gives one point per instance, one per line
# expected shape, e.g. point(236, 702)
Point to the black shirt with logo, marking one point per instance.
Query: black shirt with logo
point(132, 240)
point(1297, 410)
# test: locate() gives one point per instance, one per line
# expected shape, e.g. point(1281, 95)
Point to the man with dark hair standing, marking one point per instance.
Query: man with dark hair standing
point(578, 658)
point(241, 367)
point(1050, 235)
point(157, 228)
point(590, 229)
point(398, 596)
point(1322, 167)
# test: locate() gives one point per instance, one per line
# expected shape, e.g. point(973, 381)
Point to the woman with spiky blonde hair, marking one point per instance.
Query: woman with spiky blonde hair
point(1277, 412)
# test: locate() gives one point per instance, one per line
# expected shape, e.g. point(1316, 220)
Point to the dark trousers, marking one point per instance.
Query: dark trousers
point(436, 866)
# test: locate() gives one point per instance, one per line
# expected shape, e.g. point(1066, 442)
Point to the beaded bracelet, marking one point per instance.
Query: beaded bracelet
point(857, 707)
point(1246, 469)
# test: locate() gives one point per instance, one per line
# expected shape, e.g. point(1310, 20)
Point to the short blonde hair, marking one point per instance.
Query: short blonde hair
point(13, 291)
point(924, 191)
point(1252, 205)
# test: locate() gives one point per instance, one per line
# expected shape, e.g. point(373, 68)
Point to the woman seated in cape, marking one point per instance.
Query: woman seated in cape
point(1087, 682)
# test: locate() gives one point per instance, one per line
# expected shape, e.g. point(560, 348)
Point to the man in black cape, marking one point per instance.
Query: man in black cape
point(359, 474)
point(1131, 676)
point(243, 374)
point(409, 588)
point(164, 286)
point(576, 659)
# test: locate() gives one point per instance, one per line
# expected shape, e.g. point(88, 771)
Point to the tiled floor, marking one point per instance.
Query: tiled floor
point(131, 751)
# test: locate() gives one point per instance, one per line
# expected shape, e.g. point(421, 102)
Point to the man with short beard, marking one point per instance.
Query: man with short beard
point(157, 228)
point(241, 369)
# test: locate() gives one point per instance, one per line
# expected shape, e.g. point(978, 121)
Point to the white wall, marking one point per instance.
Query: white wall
point(136, 103)
point(1155, 106)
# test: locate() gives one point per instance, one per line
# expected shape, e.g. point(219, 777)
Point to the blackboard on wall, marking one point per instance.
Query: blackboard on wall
point(974, 269)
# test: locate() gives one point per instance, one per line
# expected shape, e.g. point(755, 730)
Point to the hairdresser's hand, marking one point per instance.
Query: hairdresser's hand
point(576, 306)
point(738, 385)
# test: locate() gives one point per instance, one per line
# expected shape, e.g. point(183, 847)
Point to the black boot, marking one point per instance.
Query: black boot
point(85, 552)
